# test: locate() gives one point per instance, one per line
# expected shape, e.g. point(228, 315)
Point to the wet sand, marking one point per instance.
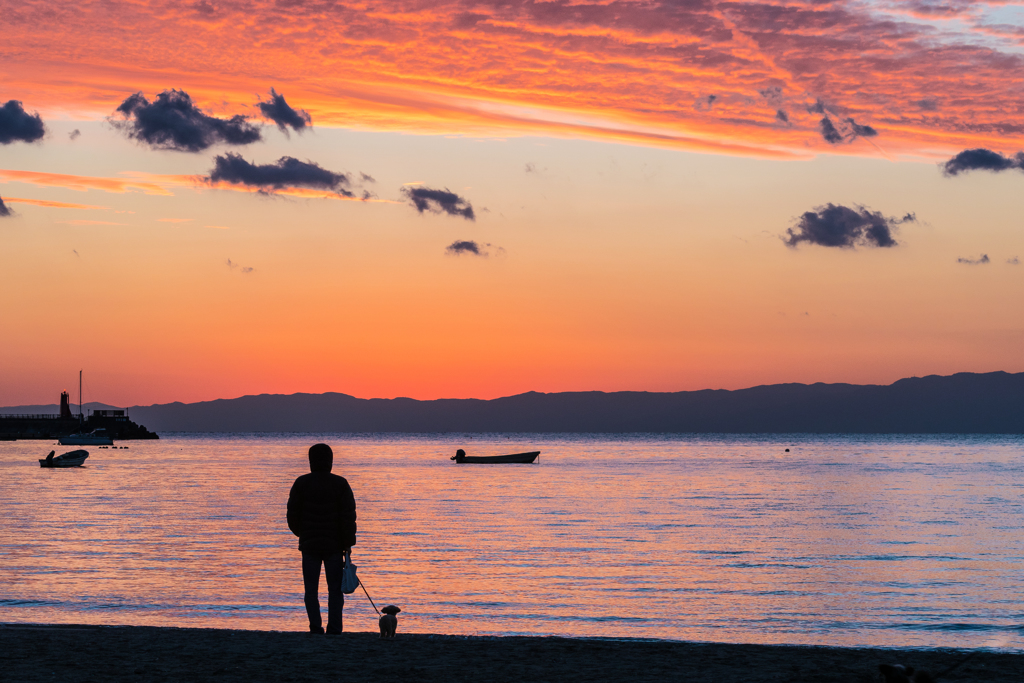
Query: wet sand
point(31, 653)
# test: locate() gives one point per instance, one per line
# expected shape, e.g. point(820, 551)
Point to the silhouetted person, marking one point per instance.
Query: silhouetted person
point(322, 513)
point(460, 455)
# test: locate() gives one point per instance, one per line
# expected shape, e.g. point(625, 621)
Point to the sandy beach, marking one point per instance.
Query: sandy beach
point(113, 653)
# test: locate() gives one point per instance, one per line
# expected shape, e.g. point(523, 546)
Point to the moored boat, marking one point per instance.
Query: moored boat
point(97, 437)
point(69, 459)
point(460, 457)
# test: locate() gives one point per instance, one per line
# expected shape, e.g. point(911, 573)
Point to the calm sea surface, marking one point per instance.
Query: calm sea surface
point(883, 541)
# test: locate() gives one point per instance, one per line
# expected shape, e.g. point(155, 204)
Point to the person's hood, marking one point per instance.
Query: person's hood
point(321, 462)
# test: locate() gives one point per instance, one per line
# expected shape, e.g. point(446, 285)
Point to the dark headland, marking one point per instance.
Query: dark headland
point(42, 422)
point(137, 653)
point(965, 403)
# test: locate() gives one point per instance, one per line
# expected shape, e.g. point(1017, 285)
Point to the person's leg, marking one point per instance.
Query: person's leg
point(334, 567)
point(311, 583)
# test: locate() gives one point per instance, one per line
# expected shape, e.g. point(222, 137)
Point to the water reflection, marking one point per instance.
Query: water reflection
point(847, 541)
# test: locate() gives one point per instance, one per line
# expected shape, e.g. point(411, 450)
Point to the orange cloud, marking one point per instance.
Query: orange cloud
point(301, 192)
point(87, 222)
point(704, 76)
point(84, 183)
point(53, 205)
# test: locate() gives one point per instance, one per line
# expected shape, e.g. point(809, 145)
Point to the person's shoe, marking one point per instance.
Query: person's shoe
point(333, 630)
point(319, 630)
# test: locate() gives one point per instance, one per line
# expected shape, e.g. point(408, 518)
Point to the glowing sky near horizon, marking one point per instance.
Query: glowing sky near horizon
point(632, 168)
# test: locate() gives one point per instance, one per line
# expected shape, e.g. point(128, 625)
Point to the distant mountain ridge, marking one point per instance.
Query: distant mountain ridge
point(964, 403)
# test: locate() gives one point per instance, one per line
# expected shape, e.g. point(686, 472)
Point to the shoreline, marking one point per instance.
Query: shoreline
point(81, 652)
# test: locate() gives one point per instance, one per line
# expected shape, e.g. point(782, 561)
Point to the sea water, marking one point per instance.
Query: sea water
point(894, 541)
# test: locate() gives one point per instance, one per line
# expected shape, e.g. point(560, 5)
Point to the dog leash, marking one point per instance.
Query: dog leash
point(368, 597)
point(348, 559)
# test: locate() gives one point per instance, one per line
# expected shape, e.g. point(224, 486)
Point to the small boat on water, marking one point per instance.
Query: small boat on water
point(97, 437)
point(70, 459)
point(460, 457)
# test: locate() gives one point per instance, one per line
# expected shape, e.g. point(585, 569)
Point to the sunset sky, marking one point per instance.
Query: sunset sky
point(470, 199)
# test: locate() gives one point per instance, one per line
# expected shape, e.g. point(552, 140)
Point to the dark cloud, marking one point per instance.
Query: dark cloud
point(205, 8)
point(840, 226)
point(817, 108)
point(75, 134)
point(367, 178)
point(781, 116)
point(927, 105)
point(861, 131)
point(283, 173)
point(847, 130)
point(836, 128)
point(975, 261)
point(468, 20)
point(16, 124)
point(245, 269)
point(705, 103)
point(439, 201)
point(459, 247)
point(982, 160)
point(4, 209)
point(1013, 261)
point(281, 113)
point(174, 122)
point(465, 247)
point(829, 132)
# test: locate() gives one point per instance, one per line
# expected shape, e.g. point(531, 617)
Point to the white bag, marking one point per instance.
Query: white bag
point(349, 580)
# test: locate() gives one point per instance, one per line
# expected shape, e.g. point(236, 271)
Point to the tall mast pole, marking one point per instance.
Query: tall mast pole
point(79, 397)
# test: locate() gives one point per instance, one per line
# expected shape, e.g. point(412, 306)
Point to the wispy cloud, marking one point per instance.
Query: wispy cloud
point(54, 205)
point(174, 122)
point(242, 269)
point(834, 225)
point(82, 221)
point(84, 183)
point(5, 211)
point(981, 260)
point(439, 201)
point(74, 135)
point(17, 125)
point(574, 68)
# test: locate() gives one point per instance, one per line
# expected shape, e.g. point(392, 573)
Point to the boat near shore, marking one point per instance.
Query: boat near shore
point(97, 437)
point(69, 459)
point(460, 457)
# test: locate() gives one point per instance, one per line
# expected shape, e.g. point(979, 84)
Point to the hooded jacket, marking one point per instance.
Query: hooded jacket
point(322, 509)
